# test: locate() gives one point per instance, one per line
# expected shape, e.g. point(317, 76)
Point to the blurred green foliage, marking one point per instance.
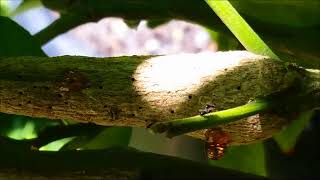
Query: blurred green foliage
point(245, 158)
point(283, 13)
point(23, 127)
point(16, 41)
point(25, 6)
point(302, 162)
point(240, 28)
point(287, 138)
point(106, 138)
point(4, 9)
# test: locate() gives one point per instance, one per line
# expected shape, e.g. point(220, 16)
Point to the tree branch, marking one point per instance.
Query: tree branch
point(135, 91)
point(278, 105)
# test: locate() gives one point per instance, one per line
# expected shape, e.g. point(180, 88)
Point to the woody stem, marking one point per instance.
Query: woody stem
point(190, 124)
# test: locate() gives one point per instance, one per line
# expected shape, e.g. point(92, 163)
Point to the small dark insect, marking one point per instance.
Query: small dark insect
point(74, 81)
point(216, 143)
point(208, 109)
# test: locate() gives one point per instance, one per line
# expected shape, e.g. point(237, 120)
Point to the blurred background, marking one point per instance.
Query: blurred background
point(113, 37)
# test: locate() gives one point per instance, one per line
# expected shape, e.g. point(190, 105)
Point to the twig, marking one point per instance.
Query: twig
point(190, 124)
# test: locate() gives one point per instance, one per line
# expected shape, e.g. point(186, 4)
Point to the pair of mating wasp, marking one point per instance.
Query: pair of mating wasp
point(216, 139)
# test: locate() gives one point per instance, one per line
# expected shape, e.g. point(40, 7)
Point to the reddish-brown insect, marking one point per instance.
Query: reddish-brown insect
point(216, 143)
point(74, 81)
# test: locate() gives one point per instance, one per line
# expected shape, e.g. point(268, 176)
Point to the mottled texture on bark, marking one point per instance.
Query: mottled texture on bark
point(133, 91)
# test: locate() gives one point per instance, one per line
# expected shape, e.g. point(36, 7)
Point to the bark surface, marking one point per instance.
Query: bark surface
point(135, 91)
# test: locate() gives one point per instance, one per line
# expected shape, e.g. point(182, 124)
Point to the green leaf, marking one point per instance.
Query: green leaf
point(146, 165)
point(132, 23)
point(4, 9)
point(225, 42)
point(153, 23)
point(109, 137)
point(56, 145)
point(284, 12)
point(54, 133)
point(75, 143)
point(302, 162)
point(239, 27)
point(23, 127)
point(25, 6)
point(245, 158)
point(287, 138)
point(114, 136)
point(16, 41)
